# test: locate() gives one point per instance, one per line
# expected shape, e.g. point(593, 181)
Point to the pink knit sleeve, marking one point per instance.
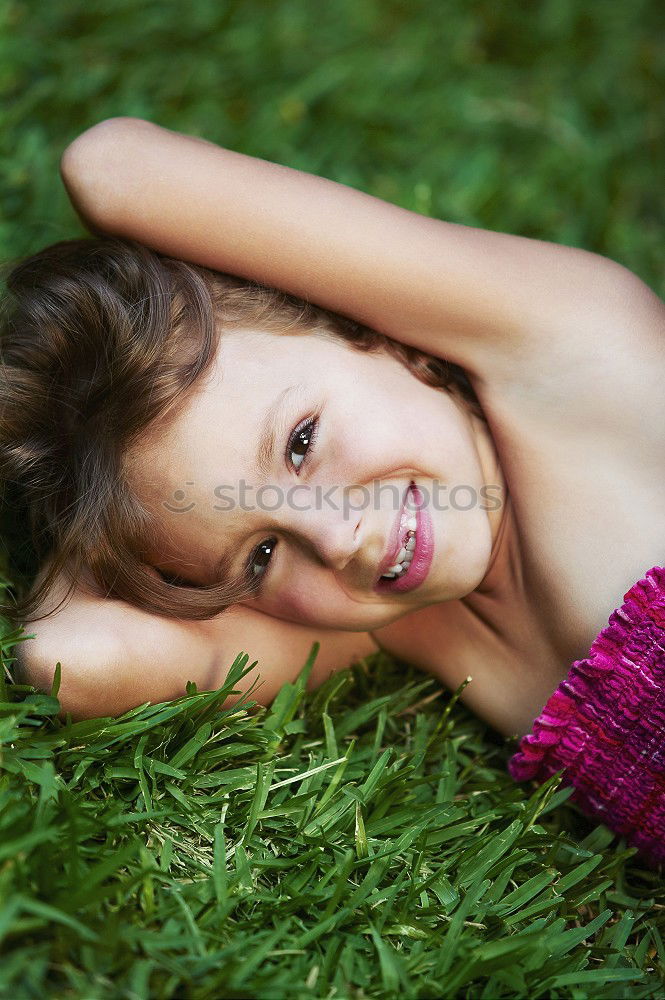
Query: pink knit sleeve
point(605, 724)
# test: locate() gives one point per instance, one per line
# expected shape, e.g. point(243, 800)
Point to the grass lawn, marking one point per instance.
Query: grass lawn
point(363, 840)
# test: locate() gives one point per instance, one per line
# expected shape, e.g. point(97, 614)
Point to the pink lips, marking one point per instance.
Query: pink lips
point(423, 552)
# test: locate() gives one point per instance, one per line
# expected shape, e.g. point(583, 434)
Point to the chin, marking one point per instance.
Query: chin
point(459, 578)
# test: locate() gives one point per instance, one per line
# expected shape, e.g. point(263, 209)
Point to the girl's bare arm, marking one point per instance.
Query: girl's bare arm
point(115, 656)
point(474, 296)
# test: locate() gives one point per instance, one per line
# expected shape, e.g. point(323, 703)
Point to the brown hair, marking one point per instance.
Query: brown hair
point(99, 339)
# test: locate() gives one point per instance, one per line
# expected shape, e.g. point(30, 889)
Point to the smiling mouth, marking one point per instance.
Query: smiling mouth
point(395, 563)
point(404, 557)
point(410, 563)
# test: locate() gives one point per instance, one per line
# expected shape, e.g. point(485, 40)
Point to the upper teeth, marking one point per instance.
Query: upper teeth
point(405, 554)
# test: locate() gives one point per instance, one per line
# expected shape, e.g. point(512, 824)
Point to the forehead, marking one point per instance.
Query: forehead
point(215, 432)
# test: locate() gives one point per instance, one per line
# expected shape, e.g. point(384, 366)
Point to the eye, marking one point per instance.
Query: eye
point(260, 560)
point(298, 451)
point(301, 443)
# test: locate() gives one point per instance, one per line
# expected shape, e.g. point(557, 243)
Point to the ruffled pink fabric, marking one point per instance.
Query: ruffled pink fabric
point(605, 724)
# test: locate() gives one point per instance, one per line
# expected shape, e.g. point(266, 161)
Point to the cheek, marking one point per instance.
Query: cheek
point(312, 599)
point(321, 606)
point(306, 601)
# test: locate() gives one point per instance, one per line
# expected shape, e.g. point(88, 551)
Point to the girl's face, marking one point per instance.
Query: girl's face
point(320, 514)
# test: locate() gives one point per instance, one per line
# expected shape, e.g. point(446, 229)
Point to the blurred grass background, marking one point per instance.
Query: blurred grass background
point(544, 119)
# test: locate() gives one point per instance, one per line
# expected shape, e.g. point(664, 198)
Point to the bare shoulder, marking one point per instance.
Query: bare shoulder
point(600, 371)
point(114, 656)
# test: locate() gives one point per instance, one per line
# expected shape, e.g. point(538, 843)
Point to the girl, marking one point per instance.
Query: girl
point(480, 517)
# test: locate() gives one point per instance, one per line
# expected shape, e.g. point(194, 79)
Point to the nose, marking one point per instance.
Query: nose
point(333, 536)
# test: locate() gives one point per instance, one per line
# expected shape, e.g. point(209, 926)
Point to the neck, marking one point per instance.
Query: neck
point(504, 561)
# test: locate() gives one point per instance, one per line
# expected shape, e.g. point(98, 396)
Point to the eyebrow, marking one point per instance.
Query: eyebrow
point(272, 429)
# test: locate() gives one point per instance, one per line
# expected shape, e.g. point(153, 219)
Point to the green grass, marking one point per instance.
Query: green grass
point(363, 840)
point(358, 841)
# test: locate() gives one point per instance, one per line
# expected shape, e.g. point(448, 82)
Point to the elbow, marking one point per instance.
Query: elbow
point(94, 169)
point(98, 142)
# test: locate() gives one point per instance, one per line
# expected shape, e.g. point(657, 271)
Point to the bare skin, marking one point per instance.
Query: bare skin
point(566, 352)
